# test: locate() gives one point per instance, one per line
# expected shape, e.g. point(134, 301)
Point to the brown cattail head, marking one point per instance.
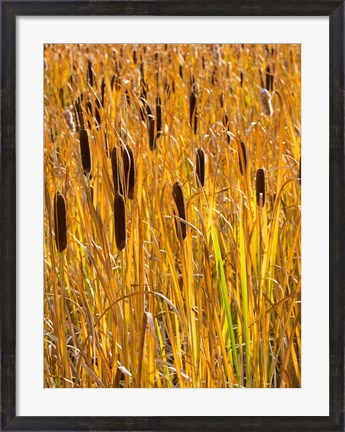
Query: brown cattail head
point(85, 151)
point(79, 113)
point(102, 92)
point(90, 74)
point(128, 171)
point(269, 79)
point(266, 103)
point(179, 202)
point(89, 110)
point(60, 224)
point(128, 97)
point(159, 117)
point(260, 187)
point(200, 166)
point(242, 157)
point(221, 100)
point(193, 111)
point(120, 221)
point(152, 136)
point(116, 171)
point(226, 123)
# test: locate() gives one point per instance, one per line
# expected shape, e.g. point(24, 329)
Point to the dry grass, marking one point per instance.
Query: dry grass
point(128, 303)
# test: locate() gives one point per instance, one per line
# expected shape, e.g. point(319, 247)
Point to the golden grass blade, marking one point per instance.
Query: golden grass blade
point(116, 172)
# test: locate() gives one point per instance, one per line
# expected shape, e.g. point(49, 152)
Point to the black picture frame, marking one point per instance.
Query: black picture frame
point(9, 11)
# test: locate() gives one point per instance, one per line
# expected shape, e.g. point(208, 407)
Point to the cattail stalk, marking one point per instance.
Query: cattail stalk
point(200, 166)
point(60, 224)
point(179, 202)
point(260, 187)
point(120, 221)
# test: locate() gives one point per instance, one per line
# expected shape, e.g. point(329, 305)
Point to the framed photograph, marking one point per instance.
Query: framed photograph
point(165, 264)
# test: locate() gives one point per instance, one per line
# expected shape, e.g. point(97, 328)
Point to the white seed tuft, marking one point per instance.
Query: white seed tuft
point(266, 102)
point(69, 120)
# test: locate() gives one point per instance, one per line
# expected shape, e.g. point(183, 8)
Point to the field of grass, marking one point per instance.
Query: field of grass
point(172, 217)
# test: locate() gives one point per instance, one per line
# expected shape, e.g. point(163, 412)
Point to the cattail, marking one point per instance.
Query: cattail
point(128, 171)
point(159, 117)
point(269, 79)
point(90, 74)
point(152, 137)
point(89, 111)
point(85, 151)
point(167, 88)
point(120, 221)
point(102, 92)
point(241, 79)
point(214, 79)
point(193, 111)
point(179, 201)
point(69, 120)
point(200, 166)
point(260, 187)
point(144, 90)
point(60, 224)
point(226, 123)
point(128, 97)
point(112, 82)
point(79, 113)
point(61, 96)
point(266, 103)
point(221, 100)
point(142, 72)
point(116, 172)
point(135, 56)
point(242, 157)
